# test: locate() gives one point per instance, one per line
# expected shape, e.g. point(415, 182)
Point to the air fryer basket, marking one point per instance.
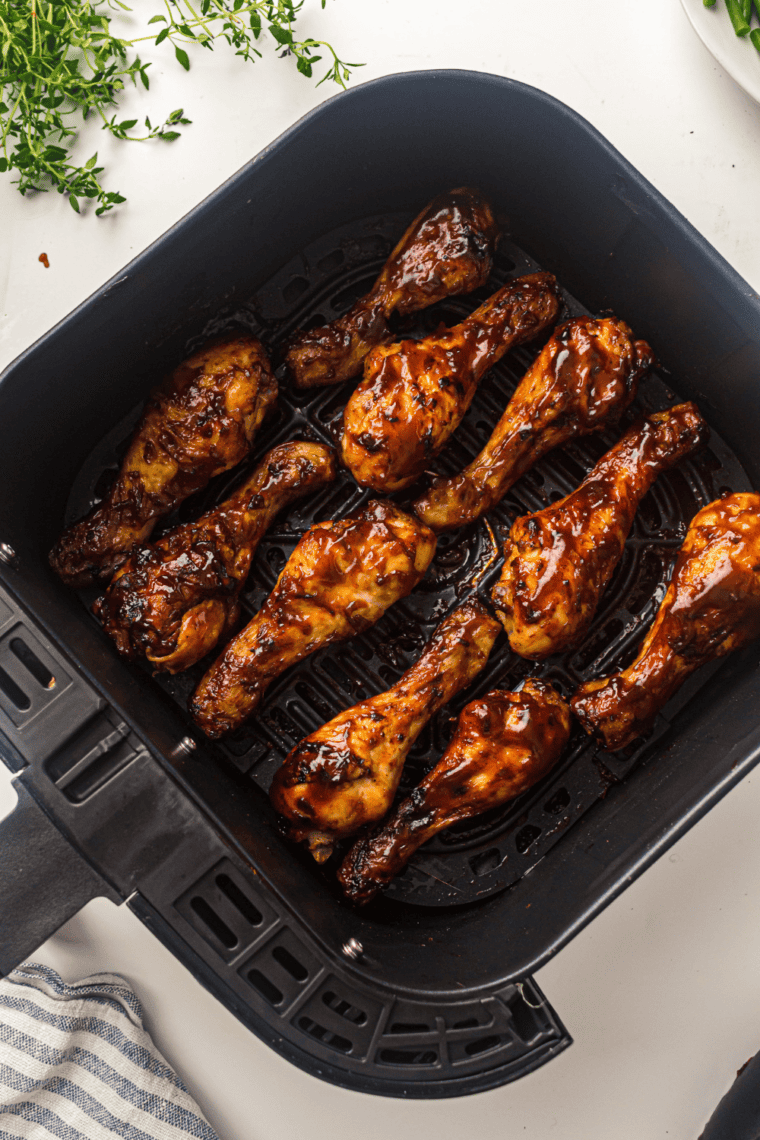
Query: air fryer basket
point(426, 992)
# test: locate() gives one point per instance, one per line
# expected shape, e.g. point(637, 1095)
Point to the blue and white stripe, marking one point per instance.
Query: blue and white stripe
point(77, 1064)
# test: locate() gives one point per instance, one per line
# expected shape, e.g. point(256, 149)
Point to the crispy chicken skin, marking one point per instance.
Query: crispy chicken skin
point(712, 607)
point(586, 375)
point(503, 744)
point(414, 394)
point(557, 562)
point(345, 774)
point(447, 249)
point(174, 600)
point(198, 423)
point(340, 579)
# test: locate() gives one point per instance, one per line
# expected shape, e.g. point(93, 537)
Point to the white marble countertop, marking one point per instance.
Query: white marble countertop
point(662, 991)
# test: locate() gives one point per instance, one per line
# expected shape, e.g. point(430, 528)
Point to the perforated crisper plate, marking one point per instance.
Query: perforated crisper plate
point(482, 856)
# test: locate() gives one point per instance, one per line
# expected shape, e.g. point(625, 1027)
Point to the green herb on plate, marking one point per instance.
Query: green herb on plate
point(741, 14)
point(738, 17)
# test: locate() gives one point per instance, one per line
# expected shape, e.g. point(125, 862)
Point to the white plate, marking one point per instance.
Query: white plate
point(736, 55)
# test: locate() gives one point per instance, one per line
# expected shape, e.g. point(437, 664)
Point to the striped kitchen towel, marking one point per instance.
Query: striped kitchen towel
point(76, 1063)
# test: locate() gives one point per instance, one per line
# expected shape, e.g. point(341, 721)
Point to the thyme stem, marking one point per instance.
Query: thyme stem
point(60, 58)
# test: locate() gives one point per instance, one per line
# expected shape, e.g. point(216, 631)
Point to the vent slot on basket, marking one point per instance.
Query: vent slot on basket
point(295, 968)
point(325, 1036)
point(526, 836)
point(341, 1017)
point(344, 1008)
point(227, 910)
point(467, 1051)
point(281, 969)
point(13, 692)
point(30, 679)
point(475, 1016)
point(486, 861)
point(243, 904)
point(409, 1027)
point(558, 802)
point(32, 663)
point(266, 988)
point(215, 924)
point(483, 1044)
point(408, 1056)
point(331, 261)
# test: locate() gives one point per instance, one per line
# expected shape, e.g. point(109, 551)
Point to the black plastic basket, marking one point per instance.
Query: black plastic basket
point(427, 992)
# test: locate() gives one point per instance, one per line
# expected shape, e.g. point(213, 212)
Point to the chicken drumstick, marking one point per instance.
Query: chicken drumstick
point(586, 375)
point(557, 562)
point(447, 249)
point(346, 773)
point(712, 607)
point(174, 600)
point(414, 394)
point(200, 422)
point(503, 744)
point(340, 579)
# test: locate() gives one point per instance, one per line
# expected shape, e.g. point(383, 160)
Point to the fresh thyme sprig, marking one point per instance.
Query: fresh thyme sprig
point(60, 58)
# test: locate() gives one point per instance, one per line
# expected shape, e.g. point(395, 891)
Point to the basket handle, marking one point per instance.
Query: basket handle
point(44, 880)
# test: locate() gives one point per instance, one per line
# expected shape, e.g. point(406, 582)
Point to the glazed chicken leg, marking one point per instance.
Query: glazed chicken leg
point(414, 394)
point(173, 601)
point(345, 774)
point(557, 562)
point(447, 249)
point(200, 422)
point(340, 579)
point(586, 375)
point(503, 744)
point(712, 607)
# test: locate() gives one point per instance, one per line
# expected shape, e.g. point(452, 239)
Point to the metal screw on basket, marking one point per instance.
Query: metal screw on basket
point(186, 744)
point(7, 554)
point(353, 949)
